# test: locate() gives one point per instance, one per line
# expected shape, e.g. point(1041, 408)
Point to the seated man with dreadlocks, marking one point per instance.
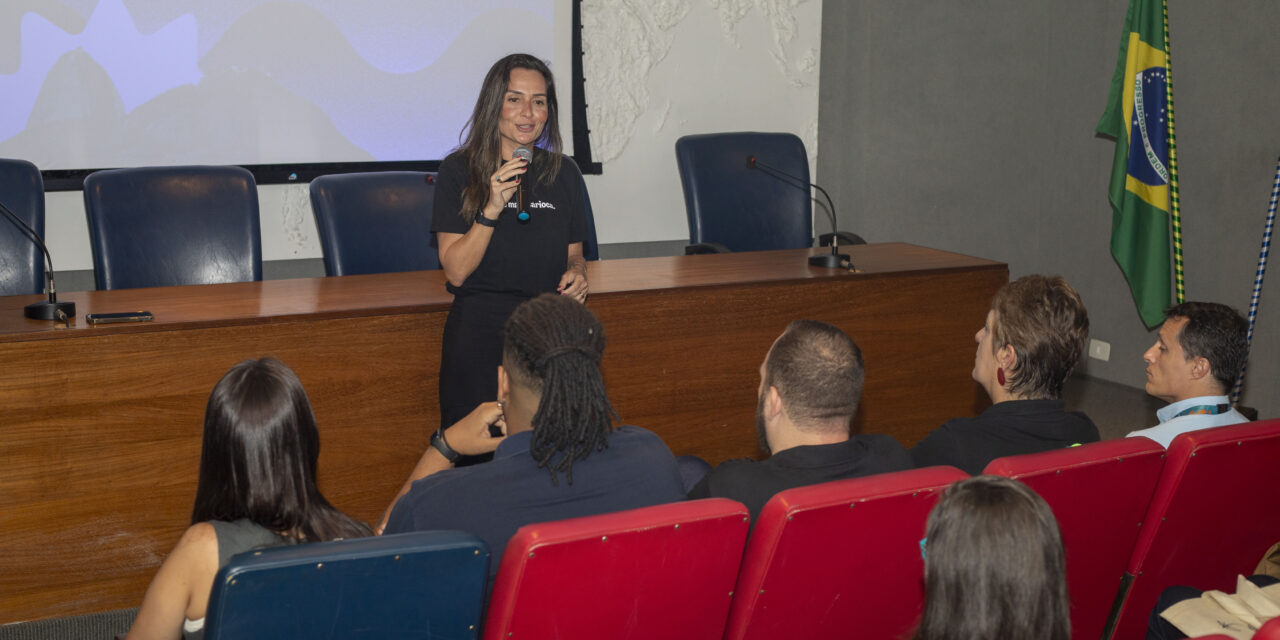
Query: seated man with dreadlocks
point(560, 457)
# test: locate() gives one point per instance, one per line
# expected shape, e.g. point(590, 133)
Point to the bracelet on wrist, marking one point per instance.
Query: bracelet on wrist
point(487, 222)
point(439, 444)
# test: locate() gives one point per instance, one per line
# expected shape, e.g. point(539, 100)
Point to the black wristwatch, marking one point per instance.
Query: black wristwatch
point(480, 219)
point(438, 441)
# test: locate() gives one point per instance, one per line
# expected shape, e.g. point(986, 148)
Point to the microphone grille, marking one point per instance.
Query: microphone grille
point(523, 152)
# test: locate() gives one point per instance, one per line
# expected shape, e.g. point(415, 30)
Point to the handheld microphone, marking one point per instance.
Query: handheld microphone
point(835, 260)
point(50, 309)
point(523, 152)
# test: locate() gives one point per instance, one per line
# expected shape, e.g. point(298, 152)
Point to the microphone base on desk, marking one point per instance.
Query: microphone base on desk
point(45, 310)
point(830, 261)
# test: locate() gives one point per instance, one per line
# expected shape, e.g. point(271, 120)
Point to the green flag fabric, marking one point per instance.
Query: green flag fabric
point(1136, 117)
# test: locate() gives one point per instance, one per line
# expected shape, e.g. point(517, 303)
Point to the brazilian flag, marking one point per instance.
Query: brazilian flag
point(1136, 117)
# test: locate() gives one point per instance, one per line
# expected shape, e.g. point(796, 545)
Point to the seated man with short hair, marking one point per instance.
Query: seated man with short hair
point(1200, 350)
point(560, 457)
point(810, 384)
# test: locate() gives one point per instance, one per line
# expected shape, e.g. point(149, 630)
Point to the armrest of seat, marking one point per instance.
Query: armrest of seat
point(705, 247)
point(846, 238)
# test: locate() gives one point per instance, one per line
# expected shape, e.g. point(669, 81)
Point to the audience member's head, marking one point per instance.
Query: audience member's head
point(810, 384)
point(1199, 351)
point(551, 361)
point(1033, 337)
point(994, 566)
point(259, 456)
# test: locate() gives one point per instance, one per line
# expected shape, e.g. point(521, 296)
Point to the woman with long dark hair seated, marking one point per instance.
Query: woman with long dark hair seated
point(561, 456)
point(257, 489)
point(994, 567)
point(1033, 337)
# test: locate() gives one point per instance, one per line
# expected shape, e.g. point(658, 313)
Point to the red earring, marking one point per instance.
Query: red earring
point(1000, 375)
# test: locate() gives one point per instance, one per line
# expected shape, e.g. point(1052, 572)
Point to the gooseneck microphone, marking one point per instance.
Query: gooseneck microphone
point(523, 152)
point(834, 260)
point(49, 309)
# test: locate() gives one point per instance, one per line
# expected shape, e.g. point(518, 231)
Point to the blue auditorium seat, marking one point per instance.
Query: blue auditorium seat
point(21, 263)
point(165, 226)
point(732, 207)
point(413, 585)
point(590, 247)
point(376, 222)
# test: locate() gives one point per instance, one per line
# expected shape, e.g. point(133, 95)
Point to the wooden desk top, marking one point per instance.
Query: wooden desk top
point(420, 291)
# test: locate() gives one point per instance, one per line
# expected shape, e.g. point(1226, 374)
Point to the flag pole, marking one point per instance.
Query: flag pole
point(1175, 210)
point(1257, 280)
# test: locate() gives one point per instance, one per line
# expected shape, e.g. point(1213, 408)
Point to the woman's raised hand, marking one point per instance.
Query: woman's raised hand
point(502, 184)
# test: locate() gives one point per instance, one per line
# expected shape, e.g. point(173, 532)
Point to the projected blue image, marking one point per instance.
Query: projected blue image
point(123, 83)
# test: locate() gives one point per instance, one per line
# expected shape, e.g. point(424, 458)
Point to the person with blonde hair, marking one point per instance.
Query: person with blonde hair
point(1033, 337)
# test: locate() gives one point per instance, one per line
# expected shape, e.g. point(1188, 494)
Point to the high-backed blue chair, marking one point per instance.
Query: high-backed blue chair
point(590, 246)
point(165, 226)
point(21, 263)
point(376, 222)
point(733, 207)
point(412, 585)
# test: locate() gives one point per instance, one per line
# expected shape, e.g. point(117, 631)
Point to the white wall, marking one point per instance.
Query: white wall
point(656, 70)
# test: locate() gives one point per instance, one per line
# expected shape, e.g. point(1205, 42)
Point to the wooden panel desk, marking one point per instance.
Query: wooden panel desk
point(100, 426)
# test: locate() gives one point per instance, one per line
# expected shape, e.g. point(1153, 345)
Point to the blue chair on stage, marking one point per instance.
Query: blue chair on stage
point(21, 263)
point(590, 247)
point(376, 222)
point(413, 585)
point(168, 226)
point(733, 206)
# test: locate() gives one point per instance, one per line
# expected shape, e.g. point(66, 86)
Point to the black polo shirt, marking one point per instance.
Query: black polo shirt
point(523, 258)
point(752, 483)
point(1007, 428)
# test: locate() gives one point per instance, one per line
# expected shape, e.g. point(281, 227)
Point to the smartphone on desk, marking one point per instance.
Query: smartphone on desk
point(124, 316)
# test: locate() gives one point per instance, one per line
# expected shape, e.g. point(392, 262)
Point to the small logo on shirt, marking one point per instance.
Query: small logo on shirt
point(537, 204)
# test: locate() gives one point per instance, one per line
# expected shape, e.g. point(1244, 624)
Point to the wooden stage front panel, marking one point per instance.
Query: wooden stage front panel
point(100, 426)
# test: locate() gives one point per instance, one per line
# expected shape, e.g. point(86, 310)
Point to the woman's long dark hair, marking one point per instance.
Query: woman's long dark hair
point(994, 566)
point(482, 144)
point(259, 455)
point(553, 346)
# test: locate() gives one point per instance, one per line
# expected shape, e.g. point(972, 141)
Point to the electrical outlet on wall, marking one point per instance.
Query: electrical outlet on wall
point(1099, 350)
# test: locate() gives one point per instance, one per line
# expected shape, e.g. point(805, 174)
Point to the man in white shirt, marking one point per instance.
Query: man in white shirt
point(1200, 350)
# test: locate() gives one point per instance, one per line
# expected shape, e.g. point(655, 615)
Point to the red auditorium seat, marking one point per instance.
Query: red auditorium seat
point(1099, 493)
point(840, 559)
point(658, 572)
point(1212, 517)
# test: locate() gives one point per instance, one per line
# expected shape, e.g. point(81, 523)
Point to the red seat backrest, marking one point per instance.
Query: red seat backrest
point(658, 572)
point(1212, 516)
point(839, 559)
point(1099, 494)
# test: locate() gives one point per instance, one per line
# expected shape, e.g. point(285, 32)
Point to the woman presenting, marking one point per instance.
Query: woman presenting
point(507, 228)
